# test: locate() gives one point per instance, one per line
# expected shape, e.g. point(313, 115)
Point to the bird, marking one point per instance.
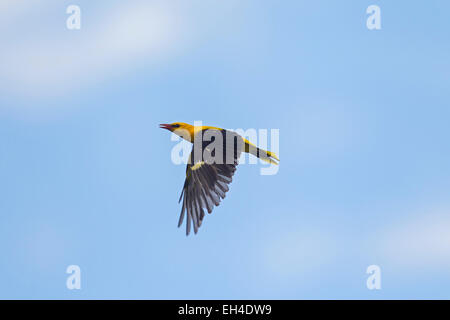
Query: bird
point(210, 167)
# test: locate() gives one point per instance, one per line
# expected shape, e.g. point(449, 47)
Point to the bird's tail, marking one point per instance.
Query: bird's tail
point(264, 155)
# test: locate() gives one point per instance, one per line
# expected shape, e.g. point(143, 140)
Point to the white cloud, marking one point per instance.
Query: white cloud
point(10, 9)
point(40, 58)
point(126, 35)
point(423, 242)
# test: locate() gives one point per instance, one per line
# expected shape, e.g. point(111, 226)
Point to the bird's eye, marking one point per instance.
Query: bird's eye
point(175, 126)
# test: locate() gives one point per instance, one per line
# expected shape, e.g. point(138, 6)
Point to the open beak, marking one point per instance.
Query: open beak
point(165, 126)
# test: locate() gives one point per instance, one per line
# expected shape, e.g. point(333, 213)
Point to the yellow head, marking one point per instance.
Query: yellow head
point(184, 130)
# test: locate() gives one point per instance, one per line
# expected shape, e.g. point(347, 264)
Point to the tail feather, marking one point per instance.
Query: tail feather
point(262, 154)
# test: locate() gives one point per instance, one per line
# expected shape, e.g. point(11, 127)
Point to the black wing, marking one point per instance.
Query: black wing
point(207, 179)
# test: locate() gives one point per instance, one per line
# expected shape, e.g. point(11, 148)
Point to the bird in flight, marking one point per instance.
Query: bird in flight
point(210, 168)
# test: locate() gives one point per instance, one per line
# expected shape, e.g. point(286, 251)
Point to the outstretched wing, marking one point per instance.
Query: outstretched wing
point(207, 180)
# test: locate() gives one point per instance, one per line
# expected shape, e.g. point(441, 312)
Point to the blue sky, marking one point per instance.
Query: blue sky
point(86, 174)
